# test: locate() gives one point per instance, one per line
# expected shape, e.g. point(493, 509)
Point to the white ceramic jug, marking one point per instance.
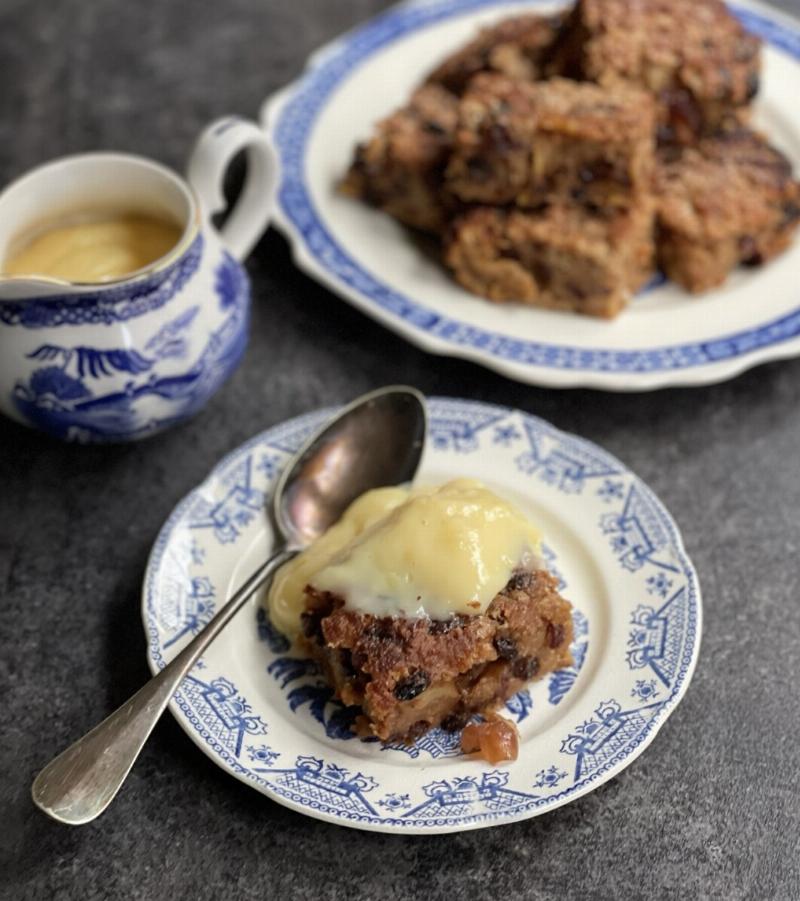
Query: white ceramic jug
point(120, 360)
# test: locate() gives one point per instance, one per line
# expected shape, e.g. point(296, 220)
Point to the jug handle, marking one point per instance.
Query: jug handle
point(208, 163)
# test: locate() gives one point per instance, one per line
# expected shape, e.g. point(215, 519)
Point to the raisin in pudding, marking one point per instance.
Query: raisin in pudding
point(426, 607)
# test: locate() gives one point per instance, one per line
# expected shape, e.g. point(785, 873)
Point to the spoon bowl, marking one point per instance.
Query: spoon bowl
point(375, 441)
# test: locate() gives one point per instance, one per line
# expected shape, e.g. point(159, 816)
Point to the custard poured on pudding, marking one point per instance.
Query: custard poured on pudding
point(411, 553)
point(95, 250)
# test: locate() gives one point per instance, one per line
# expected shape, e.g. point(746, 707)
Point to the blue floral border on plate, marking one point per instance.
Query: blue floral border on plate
point(311, 782)
point(292, 130)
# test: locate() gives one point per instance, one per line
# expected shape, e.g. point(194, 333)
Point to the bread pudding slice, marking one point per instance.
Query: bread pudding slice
point(558, 259)
point(555, 141)
point(731, 199)
point(408, 675)
point(425, 607)
point(694, 56)
point(519, 47)
point(400, 169)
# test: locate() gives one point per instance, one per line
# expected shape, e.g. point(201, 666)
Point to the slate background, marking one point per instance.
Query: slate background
point(712, 809)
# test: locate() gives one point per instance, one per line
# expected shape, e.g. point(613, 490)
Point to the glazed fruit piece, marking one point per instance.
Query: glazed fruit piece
point(729, 200)
point(556, 141)
point(400, 168)
point(408, 675)
point(693, 55)
point(558, 259)
point(495, 739)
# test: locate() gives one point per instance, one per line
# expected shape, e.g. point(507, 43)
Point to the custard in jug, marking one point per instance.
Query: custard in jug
point(93, 250)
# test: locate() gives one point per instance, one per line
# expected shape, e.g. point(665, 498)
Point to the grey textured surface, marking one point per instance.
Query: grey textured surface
point(712, 808)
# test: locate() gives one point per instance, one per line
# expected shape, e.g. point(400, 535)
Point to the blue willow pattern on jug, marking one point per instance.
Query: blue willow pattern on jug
point(662, 637)
point(296, 121)
point(67, 395)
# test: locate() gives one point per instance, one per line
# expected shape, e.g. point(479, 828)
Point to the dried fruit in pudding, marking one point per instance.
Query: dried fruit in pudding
point(427, 608)
point(495, 740)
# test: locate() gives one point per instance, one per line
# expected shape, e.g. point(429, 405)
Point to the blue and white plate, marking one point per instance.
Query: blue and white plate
point(267, 716)
point(666, 337)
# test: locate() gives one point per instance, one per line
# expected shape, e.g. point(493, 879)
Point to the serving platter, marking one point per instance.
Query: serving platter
point(666, 337)
point(265, 715)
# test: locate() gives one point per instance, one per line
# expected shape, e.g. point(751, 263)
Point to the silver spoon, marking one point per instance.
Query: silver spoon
point(377, 440)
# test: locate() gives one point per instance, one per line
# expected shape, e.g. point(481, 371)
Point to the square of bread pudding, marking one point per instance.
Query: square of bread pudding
point(425, 608)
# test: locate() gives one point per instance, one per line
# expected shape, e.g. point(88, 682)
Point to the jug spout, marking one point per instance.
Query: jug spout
point(24, 287)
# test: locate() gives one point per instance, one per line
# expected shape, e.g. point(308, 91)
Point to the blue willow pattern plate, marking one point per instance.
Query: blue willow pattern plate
point(666, 337)
point(267, 717)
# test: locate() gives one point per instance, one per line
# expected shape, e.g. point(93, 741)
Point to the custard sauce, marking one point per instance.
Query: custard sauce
point(426, 552)
point(98, 250)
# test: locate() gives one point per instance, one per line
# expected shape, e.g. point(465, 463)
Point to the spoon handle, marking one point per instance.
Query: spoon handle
point(82, 781)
